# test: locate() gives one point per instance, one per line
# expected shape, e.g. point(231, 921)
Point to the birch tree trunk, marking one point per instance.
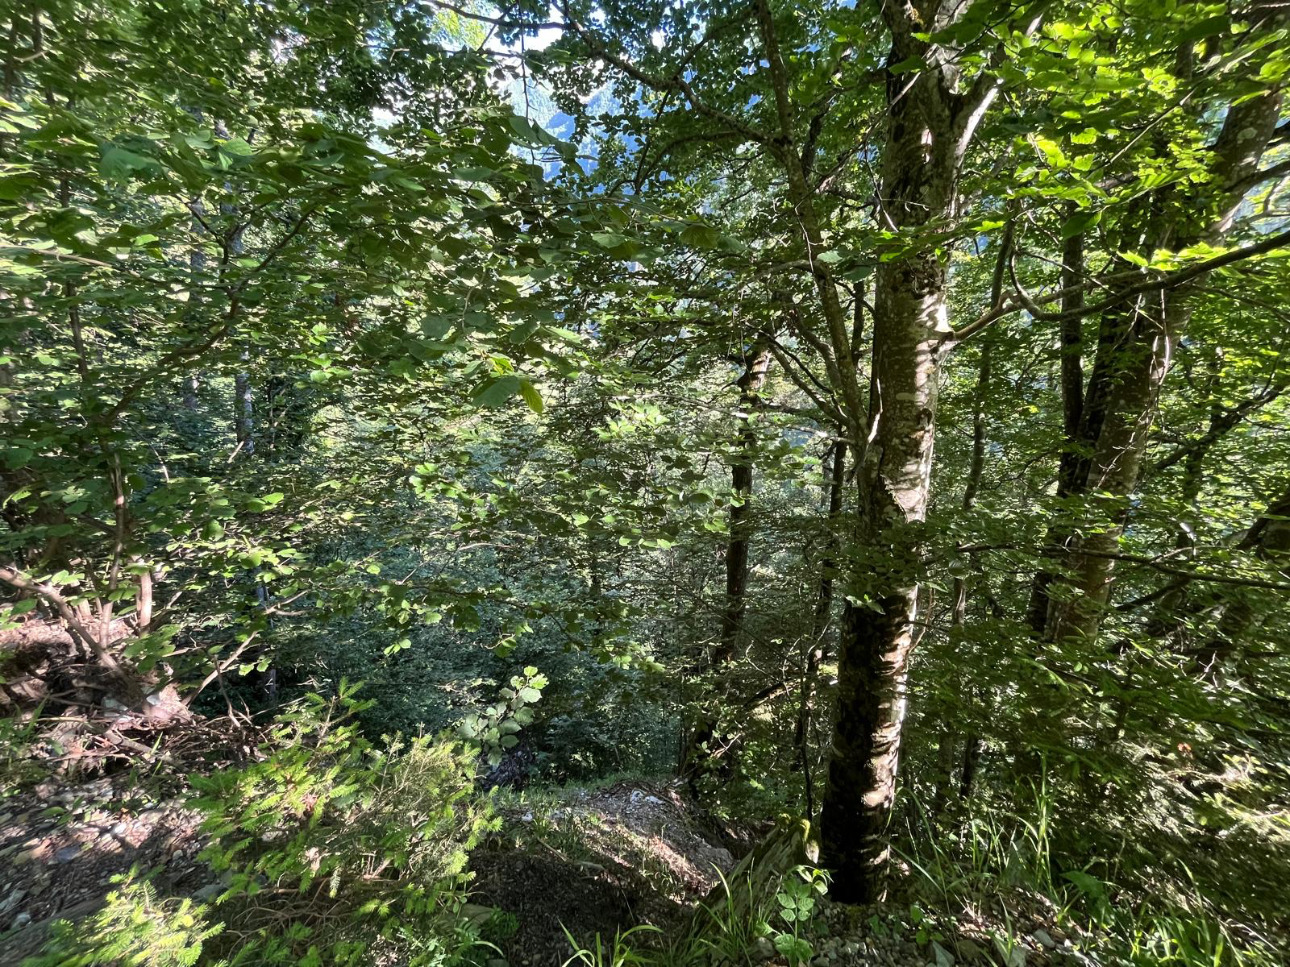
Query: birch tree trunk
point(929, 126)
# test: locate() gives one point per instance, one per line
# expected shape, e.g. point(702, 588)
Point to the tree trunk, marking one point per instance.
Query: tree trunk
point(698, 753)
point(244, 413)
point(196, 268)
point(1072, 384)
point(1135, 357)
point(823, 613)
point(741, 480)
point(958, 614)
point(929, 127)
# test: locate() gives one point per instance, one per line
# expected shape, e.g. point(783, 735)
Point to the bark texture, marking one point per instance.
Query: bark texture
point(1137, 343)
point(930, 122)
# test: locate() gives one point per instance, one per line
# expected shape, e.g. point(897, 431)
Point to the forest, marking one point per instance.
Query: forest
point(688, 483)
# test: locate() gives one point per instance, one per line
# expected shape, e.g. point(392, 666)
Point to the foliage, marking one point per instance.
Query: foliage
point(867, 409)
point(134, 928)
point(796, 898)
point(335, 847)
point(618, 953)
point(493, 730)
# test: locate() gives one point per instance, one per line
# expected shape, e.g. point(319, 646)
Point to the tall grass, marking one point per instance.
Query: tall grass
point(992, 861)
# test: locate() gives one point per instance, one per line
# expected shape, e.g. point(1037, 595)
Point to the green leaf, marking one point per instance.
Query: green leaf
point(531, 396)
point(495, 392)
point(120, 164)
point(1080, 222)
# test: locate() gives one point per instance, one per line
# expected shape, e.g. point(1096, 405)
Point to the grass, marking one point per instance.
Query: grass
point(999, 862)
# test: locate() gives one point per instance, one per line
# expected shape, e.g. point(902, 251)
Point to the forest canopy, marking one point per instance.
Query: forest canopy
point(448, 445)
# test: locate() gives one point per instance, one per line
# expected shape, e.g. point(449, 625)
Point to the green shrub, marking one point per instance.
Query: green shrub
point(336, 851)
point(135, 928)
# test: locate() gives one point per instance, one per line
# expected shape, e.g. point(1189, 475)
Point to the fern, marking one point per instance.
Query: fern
point(135, 928)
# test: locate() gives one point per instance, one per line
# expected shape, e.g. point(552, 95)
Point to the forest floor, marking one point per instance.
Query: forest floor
point(586, 860)
point(62, 843)
point(595, 861)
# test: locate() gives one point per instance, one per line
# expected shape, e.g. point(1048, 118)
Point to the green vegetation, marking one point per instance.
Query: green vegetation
point(797, 483)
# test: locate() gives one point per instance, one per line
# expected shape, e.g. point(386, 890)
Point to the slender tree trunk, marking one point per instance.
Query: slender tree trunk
point(698, 753)
point(244, 413)
point(196, 268)
point(741, 480)
point(1072, 384)
point(820, 624)
point(958, 613)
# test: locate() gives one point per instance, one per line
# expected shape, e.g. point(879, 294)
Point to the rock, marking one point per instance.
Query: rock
point(21, 920)
point(941, 957)
point(969, 949)
point(762, 950)
point(1011, 953)
point(1044, 940)
point(477, 914)
point(208, 893)
point(497, 962)
point(67, 854)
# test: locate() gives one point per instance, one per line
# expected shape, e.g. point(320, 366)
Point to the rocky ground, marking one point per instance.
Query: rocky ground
point(896, 936)
point(60, 846)
point(595, 862)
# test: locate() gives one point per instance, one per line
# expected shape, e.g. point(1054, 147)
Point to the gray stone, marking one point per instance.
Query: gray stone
point(477, 914)
point(1011, 953)
point(969, 949)
point(1044, 939)
point(67, 854)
